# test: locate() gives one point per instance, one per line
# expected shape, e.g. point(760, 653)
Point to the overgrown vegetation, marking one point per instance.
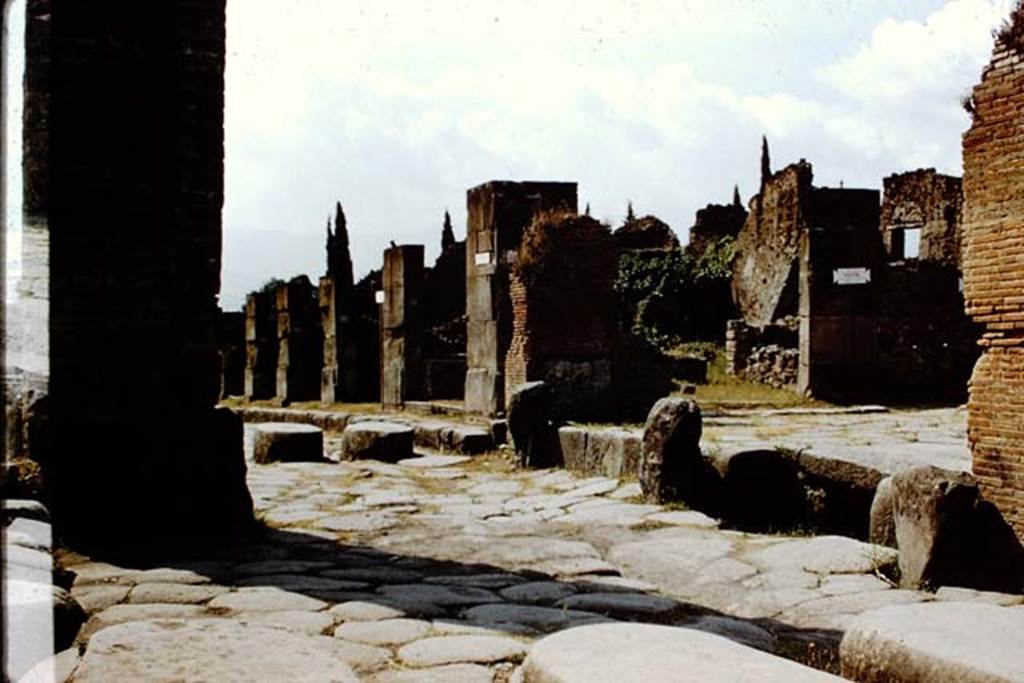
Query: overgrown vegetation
point(668, 297)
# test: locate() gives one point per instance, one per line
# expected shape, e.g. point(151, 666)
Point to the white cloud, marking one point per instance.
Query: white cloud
point(398, 108)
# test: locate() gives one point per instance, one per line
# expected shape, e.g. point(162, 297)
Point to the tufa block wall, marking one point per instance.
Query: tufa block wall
point(993, 235)
point(401, 328)
point(299, 341)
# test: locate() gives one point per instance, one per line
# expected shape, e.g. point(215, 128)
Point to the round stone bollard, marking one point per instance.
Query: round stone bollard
point(384, 441)
point(288, 442)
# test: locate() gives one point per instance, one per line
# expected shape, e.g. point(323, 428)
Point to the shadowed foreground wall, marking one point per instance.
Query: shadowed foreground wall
point(133, 187)
point(993, 234)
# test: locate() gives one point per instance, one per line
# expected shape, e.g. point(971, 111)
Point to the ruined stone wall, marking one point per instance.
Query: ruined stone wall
point(993, 231)
point(499, 212)
point(928, 201)
point(260, 345)
point(768, 246)
point(714, 222)
point(299, 341)
point(747, 346)
point(366, 314)
point(133, 193)
point(565, 324)
point(401, 329)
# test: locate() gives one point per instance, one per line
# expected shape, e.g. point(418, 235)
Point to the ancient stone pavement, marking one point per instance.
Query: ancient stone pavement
point(447, 568)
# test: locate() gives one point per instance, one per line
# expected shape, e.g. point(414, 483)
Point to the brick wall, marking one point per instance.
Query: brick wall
point(993, 263)
point(565, 325)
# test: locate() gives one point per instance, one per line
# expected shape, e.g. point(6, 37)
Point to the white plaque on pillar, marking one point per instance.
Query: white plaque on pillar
point(378, 296)
point(511, 256)
point(482, 258)
point(851, 276)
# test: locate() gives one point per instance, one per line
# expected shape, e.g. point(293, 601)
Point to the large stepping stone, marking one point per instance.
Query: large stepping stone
point(211, 650)
point(611, 653)
point(384, 441)
point(287, 442)
point(933, 642)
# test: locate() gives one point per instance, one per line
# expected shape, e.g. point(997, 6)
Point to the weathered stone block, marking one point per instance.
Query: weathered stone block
point(671, 450)
point(529, 424)
point(287, 442)
point(371, 440)
point(882, 526)
point(933, 512)
point(572, 442)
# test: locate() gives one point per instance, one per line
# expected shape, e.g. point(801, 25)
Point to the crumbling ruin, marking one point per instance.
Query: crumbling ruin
point(993, 233)
point(260, 345)
point(232, 353)
point(299, 341)
point(922, 208)
point(401, 326)
point(338, 321)
point(499, 212)
point(816, 278)
point(564, 329)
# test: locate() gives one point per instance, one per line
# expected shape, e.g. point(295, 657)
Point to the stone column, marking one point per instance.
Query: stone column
point(499, 212)
point(300, 342)
point(338, 382)
point(260, 346)
point(401, 325)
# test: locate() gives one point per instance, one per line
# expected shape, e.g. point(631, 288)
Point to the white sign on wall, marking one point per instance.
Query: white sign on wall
point(482, 258)
point(378, 296)
point(851, 276)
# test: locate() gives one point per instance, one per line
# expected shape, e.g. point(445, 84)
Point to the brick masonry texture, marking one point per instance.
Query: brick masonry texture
point(993, 263)
point(927, 200)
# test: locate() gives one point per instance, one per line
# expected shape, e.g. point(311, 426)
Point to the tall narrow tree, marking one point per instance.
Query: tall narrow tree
point(447, 234)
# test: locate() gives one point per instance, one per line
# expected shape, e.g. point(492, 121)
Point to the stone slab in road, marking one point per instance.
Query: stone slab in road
point(613, 653)
point(936, 642)
point(211, 650)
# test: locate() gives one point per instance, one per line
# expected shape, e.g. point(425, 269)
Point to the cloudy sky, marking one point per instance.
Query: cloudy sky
point(396, 108)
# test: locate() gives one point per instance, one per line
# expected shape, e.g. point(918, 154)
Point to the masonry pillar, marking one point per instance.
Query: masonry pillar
point(401, 325)
point(260, 346)
point(499, 212)
point(993, 233)
point(300, 344)
point(232, 353)
point(142, 459)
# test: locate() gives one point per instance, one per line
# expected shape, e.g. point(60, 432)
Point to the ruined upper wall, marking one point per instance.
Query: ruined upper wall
point(714, 222)
point(925, 200)
point(993, 246)
point(768, 246)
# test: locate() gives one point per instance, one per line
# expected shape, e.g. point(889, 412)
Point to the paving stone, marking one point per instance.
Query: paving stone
point(461, 649)
point(266, 600)
point(96, 597)
point(385, 632)
point(810, 613)
point(591, 583)
point(431, 461)
point(313, 623)
point(725, 570)
point(500, 487)
point(120, 614)
point(364, 610)
point(631, 490)
point(29, 533)
point(281, 567)
point(595, 487)
point(669, 560)
point(211, 650)
point(520, 551)
point(626, 605)
point(936, 642)
point(445, 596)
point(302, 582)
point(88, 573)
point(841, 584)
point(452, 673)
point(783, 578)
point(450, 627)
point(169, 575)
point(55, 669)
point(362, 522)
point(575, 566)
point(824, 555)
point(611, 653)
point(538, 592)
point(736, 630)
point(489, 581)
point(684, 518)
point(175, 593)
point(951, 594)
point(540, 618)
point(374, 574)
point(769, 603)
